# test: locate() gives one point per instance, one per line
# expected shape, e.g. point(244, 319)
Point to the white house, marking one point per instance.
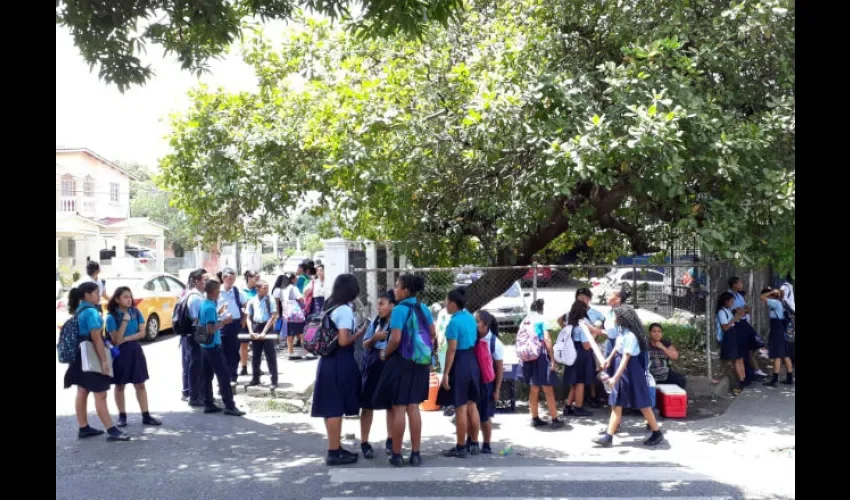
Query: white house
point(93, 212)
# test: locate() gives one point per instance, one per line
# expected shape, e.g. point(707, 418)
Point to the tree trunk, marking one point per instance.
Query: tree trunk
point(491, 285)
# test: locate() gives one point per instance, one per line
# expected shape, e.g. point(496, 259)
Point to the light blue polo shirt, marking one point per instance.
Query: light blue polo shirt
point(209, 316)
point(343, 318)
point(261, 310)
point(627, 343)
point(89, 317)
point(194, 302)
point(775, 309)
point(724, 316)
point(136, 319)
point(463, 328)
point(740, 301)
point(612, 331)
point(593, 315)
point(229, 297)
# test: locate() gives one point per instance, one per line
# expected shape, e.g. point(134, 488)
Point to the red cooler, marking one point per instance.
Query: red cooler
point(672, 401)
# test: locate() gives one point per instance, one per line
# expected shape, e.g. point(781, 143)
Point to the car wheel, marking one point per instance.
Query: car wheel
point(152, 327)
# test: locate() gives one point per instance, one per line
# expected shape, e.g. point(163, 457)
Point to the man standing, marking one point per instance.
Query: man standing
point(233, 300)
point(215, 364)
point(190, 350)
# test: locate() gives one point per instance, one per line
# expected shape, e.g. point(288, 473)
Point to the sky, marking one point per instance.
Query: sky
point(132, 126)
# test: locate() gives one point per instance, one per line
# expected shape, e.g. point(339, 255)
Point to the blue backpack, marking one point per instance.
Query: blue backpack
point(416, 337)
point(69, 340)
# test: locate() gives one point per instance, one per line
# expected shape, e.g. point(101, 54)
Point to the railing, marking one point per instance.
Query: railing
point(68, 205)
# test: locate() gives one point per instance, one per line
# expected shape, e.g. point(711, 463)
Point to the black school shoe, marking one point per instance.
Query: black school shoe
point(415, 459)
point(455, 452)
point(654, 439)
point(538, 422)
point(116, 434)
point(605, 440)
point(396, 460)
point(212, 409)
point(233, 412)
point(556, 424)
point(389, 447)
point(340, 457)
point(485, 449)
point(88, 431)
point(473, 448)
point(367, 450)
point(122, 421)
point(149, 420)
point(581, 412)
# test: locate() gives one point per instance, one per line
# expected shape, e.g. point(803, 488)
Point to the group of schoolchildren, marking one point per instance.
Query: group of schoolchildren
point(739, 341)
point(120, 359)
point(626, 363)
point(395, 373)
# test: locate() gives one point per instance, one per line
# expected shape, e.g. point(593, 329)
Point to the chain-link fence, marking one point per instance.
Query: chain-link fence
point(681, 295)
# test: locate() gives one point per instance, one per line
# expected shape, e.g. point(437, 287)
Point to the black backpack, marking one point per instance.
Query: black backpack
point(181, 319)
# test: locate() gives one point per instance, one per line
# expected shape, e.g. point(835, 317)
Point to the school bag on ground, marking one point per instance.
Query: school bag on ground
point(181, 319)
point(527, 343)
point(485, 361)
point(416, 337)
point(321, 336)
point(565, 349)
point(69, 340)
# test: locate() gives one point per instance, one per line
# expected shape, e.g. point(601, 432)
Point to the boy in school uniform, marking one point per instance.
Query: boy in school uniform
point(216, 364)
point(234, 301)
point(262, 314)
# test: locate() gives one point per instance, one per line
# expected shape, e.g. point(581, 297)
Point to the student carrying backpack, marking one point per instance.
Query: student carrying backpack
point(184, 325)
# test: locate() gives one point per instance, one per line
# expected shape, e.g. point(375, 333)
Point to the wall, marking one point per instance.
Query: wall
point(80, 165)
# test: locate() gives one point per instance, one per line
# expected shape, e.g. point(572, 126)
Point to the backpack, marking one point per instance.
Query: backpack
point(308, 297)
point(292, 311)
point(69, 340)
point(321, 336)
point(416, 342)
point(565, 348)
point(485, 361)
point(181, 319)
point(527, 344)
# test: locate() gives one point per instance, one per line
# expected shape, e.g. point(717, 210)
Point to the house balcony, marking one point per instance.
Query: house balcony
point(84, 206)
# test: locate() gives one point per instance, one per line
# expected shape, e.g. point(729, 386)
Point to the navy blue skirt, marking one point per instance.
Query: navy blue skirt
point(583, 370)
point(539, 372)
point(402, 383)
point(371, 371)
point(92, 382)
point(748, 338)
point(486, 405)
point(337, 389)
point(729, 347)
point(293, 329)
point(609, 347)
point(464, 381)
point(130, 367)
point(776, 345)
point(632, 390)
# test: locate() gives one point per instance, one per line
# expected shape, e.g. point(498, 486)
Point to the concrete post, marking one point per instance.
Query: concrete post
point(390, 265)
point(371, 279)
point(160, 254)
point(336, 262)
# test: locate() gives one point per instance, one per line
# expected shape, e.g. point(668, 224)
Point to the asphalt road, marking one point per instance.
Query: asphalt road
point(273, 455)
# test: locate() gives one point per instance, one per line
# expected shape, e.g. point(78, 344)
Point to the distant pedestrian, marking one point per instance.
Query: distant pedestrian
point(540, 374)
point(262, 314)
point(291, 309)
point(126, 327)
point(337, 389)
point(93, 276)
point(82, 302)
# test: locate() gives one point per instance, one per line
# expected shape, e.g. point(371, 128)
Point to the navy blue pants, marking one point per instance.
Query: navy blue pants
point(258, 348)
point(215, 365)
point(230, 347)
point(193, 370)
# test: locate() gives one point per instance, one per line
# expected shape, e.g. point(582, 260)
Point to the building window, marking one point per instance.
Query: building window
point(69, 185)
point(88, 187)
point(114, 192)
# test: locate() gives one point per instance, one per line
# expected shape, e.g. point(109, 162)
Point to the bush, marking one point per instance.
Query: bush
point(75, 277)
point(269, 263)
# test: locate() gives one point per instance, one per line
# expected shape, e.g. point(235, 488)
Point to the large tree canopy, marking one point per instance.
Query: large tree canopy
point(111, 34)
point(527, 122)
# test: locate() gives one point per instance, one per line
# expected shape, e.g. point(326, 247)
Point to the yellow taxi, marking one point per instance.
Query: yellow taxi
point(155, 295)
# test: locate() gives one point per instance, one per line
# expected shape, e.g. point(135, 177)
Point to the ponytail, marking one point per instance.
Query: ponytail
point(76, 295)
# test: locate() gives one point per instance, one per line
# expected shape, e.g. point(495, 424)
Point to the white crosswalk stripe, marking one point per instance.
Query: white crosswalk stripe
point(522, 473)
point(527, 498)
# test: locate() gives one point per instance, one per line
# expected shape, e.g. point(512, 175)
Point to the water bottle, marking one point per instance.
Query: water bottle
point(112, 349)
point(506, 450)
point(606, 381)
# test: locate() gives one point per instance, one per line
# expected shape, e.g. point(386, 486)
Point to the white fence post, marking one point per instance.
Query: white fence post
point(371, 278)
point(336, 262)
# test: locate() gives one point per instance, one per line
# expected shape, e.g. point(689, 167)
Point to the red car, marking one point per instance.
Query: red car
point(544, 275)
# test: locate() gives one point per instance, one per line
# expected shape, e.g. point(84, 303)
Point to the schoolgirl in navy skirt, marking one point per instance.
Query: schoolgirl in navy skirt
point(375, 340)
point(777, 346)
point(126, 326)
point(540, 373)
point(488, 331)
point(582, 373)
point(727, 335)
point(82, 302)
point(337, 389)
point(404, 384)
point(630, 383)
point(461, 384)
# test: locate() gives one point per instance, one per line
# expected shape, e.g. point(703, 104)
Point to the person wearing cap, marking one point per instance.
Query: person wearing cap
point(233, 301)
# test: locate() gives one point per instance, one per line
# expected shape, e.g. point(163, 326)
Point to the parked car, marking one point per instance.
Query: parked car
point(290, 265)
point(544, 276)
point(650, 279)
point(155, 296)
point(510, 308)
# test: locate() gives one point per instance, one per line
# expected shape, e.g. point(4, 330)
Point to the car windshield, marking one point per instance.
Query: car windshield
point(113, 284)
point(513, 291)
